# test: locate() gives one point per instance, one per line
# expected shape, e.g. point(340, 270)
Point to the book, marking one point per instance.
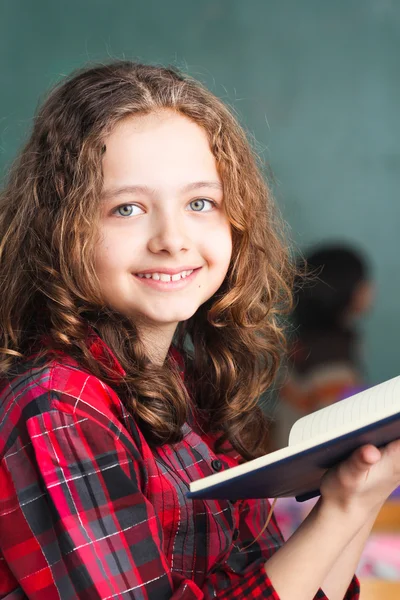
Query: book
point(316, 443)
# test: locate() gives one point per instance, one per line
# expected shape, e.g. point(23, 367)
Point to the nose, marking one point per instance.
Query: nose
point(168, 235)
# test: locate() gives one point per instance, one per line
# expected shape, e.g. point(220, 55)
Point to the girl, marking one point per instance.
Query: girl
point(136, 217)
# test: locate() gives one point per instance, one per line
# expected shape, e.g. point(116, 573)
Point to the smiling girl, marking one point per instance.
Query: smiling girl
point(143, 279)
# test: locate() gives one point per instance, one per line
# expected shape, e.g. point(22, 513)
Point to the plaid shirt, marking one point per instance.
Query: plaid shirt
point(88, 510)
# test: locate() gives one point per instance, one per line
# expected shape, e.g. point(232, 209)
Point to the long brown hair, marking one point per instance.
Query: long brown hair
point(48, 214)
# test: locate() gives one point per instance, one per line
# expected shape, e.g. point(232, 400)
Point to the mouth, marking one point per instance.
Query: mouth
point(165, 277)
point(160, 280)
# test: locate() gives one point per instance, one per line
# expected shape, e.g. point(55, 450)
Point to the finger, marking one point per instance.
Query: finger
point(391, 452)
point(370, 454)
point(393, 447)
point(362, 459)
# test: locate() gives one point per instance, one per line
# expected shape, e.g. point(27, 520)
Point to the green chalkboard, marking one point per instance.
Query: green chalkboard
point(317, 82)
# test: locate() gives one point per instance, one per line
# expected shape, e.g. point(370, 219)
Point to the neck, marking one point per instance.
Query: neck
point(157, 341)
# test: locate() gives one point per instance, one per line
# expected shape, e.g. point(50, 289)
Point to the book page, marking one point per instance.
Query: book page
point(361, 409)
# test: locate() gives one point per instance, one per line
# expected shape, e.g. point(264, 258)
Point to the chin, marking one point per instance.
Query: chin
point(172, 317)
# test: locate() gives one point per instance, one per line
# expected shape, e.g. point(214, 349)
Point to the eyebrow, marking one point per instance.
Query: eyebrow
point(144, 189)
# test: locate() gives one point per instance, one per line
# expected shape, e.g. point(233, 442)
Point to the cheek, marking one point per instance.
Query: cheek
point(112, 250)
point(108, 259)
point(226, 255)
point(220, 250)
point(227, 243)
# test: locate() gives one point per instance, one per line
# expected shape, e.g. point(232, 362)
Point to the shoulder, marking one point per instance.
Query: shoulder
point(39, 388)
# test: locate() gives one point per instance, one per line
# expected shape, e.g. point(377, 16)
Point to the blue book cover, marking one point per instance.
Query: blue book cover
point(320, 441)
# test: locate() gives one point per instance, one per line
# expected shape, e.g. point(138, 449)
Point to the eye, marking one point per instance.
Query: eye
point(202, 205)
point(128, 210)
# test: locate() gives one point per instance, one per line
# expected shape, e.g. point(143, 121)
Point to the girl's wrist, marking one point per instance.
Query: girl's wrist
point(353, 514)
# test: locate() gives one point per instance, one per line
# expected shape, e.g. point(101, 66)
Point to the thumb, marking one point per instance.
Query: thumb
point(362, 459)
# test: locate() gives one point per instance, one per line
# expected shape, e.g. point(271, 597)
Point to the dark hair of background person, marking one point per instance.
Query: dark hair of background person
point(323, 299)
point(325, 364)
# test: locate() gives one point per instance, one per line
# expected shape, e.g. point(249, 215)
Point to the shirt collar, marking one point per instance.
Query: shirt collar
point(106, 357)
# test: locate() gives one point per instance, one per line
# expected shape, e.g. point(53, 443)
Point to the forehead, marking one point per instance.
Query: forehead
point(158, 147)
point(159, 127)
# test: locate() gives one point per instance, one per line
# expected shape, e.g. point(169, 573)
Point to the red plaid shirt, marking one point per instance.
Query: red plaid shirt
point(88, 510)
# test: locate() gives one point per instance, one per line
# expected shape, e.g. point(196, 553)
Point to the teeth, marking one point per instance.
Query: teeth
point(165, 277)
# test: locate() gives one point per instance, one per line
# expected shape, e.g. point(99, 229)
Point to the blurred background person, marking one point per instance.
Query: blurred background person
point(325, 361)
point(326, 364)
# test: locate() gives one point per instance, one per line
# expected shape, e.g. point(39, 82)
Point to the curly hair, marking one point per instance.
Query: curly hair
point(48, 235)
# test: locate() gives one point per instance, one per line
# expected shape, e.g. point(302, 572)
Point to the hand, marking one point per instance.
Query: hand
point(363, 482)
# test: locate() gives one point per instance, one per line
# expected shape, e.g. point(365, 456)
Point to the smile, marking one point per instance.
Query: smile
point(164, 282)
point(165, 277)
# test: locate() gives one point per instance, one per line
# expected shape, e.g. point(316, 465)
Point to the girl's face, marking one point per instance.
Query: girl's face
point(166, 242)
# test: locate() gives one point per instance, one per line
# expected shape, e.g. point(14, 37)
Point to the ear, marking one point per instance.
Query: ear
point(363, 298)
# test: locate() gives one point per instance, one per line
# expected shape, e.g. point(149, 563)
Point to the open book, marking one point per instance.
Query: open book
point(317, 442)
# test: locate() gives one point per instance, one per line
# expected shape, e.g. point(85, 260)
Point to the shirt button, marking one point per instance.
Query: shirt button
point(235, 535)
point(216, 464)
